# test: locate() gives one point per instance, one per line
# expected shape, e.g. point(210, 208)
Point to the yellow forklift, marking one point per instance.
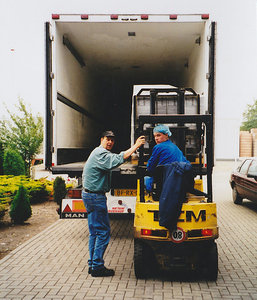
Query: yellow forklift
point(191, 244)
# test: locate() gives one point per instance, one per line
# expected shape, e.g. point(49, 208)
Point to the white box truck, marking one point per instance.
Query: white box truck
point(93, 63)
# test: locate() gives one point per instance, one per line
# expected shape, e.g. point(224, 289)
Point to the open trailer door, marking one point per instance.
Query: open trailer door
point(48, 95)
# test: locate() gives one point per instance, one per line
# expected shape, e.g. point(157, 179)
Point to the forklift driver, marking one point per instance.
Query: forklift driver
point(164, 152)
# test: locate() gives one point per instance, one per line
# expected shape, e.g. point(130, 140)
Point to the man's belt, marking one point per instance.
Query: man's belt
point(87, 191)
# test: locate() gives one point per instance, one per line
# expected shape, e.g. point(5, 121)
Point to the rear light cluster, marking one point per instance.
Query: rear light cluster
point(158, 233)
point(190, 234)
point(200, 233)
point(75, 193)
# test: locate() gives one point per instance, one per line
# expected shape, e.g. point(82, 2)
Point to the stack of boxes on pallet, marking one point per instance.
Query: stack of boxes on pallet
point(248, 143)
point(254, 135)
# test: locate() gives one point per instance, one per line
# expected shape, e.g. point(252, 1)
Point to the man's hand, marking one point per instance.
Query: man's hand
point(140, 141)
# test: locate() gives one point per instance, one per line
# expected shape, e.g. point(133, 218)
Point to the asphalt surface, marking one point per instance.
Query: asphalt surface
point(53, 264)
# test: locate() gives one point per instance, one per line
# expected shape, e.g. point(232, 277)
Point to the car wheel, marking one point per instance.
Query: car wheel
point(236, 197)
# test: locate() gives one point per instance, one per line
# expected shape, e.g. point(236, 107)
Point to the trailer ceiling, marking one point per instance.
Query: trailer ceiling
point(132, 49)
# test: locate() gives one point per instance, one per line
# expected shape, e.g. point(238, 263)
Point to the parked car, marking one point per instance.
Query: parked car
point(243, 181)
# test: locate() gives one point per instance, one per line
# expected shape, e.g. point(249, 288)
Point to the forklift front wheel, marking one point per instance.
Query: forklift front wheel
point(144, 260)
point(139, 260)
point(211, 262)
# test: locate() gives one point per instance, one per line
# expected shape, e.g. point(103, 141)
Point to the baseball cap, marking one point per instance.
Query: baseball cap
point(108, 133)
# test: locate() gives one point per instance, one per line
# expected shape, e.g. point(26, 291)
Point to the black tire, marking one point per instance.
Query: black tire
point(139, 260)
point(144, 260)
point(236, 197)
point(211, 262)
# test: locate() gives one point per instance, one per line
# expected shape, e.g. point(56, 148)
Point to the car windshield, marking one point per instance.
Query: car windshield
point(245, 166)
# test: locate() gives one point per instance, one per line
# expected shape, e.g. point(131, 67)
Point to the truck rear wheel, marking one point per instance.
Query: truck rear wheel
point(144, 260)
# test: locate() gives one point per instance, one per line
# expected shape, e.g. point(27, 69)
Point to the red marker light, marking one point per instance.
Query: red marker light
point(205, 16)
point(120, 202)
point(55, 16)
point(84, 17)
point(114, 17)
point(146, 232)
point(144, 17)
point(173, 17)
point(207, 232)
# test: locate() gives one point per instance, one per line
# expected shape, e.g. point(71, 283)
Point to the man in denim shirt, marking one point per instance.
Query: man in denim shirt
point(96, 179)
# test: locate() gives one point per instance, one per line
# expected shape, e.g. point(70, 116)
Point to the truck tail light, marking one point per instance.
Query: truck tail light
point(74, 193)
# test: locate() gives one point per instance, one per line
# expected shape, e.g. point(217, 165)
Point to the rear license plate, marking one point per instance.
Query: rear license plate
point(124, 192)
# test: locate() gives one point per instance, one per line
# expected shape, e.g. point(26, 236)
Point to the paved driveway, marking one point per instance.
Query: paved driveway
point(53, 265)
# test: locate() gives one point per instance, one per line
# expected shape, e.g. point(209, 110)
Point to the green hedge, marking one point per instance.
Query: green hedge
point(38, 190)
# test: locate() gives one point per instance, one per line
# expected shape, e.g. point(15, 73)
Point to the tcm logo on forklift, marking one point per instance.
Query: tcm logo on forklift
point(190, 214)
point(188, 217)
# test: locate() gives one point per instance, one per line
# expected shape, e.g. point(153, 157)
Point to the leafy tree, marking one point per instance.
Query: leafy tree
point(20, 210)
point(250, 117)
point(13, 163)
point(1, 159)
point(23, 133)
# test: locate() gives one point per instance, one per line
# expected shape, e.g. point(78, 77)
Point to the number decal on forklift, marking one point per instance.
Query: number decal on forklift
point(178, 236)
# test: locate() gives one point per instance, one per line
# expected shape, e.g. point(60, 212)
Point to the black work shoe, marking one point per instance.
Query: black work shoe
point(89, 270)
point(103, 272)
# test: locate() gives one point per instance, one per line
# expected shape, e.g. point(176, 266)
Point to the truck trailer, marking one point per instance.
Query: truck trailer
point(92, 64)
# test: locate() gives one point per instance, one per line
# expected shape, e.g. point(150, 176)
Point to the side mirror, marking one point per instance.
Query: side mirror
point(252, 175)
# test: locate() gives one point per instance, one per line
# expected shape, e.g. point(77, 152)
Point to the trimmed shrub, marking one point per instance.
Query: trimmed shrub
point(59, 189)
point(3, 207)
point(13, 163)
point(38, 190)
point(20, 208)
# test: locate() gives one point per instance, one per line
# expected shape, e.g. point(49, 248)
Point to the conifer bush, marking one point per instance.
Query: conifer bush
point(13, 163)
point(59, 189)
point(20, 210)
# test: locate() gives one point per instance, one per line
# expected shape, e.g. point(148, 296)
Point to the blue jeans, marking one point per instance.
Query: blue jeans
point(99, 228)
